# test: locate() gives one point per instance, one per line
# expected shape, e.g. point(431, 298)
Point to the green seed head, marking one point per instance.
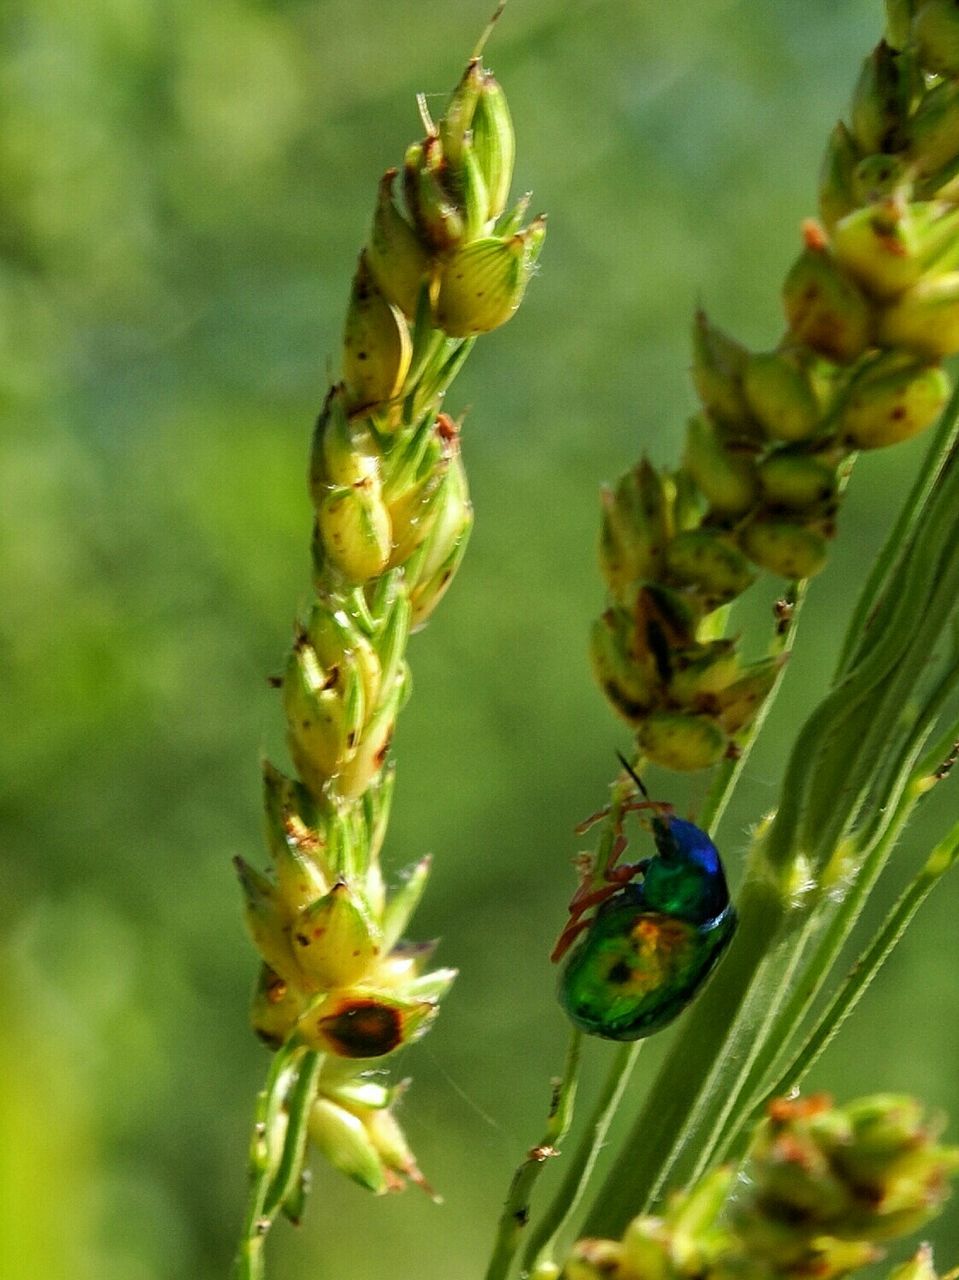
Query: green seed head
point(825, 310)
point(627, 678)
point(836, 177)
point(454, 129)
point(784, 548)
point(334, 939)
point(889, 246)
point(595, 1260)
point(646, 1250)
point(431, 568)
point(880, 176)
point(295, 847)
point(919, 1267)
point(688, 502)
point(718, 365)
point(933, 132)
point(710, 563)
point(472, 193)
point(483, 283)
point(343, 451)
point(377, 346)
point(343, 1139)
point(935, 30)
point(925, 319)
point(780, 395)
point(893, 398)
point(362, 1024)
point(438, 220)
point(899, 22)
point(635, 529)
point(339, 644)
point(887, 87)
point(494, 143)
point(395, 255)
point(737, 705)
point(727, 477)
point(394, 1151)
point(664, 619)
point(702, 672)
point(682, 742)
point(797, 481)
point(275, 1007)
point(323, 711)
point(874, 245)
point(416, 494)
point(354, 532)
point(861, 1174)
point(361, 767)
point(266, 921)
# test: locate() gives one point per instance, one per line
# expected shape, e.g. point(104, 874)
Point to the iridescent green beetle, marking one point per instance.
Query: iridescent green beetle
point(660, 927)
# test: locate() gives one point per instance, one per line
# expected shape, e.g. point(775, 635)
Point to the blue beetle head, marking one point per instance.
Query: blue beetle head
point(686, 880)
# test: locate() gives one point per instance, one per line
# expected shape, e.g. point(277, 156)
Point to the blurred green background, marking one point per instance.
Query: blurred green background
point(183, 189)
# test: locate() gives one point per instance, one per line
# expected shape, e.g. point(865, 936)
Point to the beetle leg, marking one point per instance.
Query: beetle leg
point(569, 935)
point(584, 826)
point(658, 807)
point(622, 875)
point(566, 939)
point(583, 899)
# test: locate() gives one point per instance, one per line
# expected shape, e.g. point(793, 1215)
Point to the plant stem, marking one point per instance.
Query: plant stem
point(580, 1168)
point(857, 981)
point(515, 1213)
point(289, 1086)
point(294, 1144)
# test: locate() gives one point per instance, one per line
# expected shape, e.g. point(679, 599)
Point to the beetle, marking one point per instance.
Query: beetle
point(658, 931)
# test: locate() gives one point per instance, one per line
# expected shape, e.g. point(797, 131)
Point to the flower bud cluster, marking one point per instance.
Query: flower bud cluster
point(391, 519)
point(666, 571)
point(687, 1241)
point(336, 972)
point(872, 308)
point(822, 1189)
point(455, 252)
point(825, 1186)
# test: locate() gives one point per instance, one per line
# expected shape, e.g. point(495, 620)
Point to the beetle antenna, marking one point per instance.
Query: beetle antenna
point(632, 773)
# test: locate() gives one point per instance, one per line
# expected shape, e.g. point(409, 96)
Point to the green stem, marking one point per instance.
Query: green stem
point(797, 997)
point(515, 1213)
point(290, 1168)
point(914, 780)
point(837, 802)
point(539, 1251)
point(942, 858)
point(904, 788)
point(875, 842)
point(268, 1152)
